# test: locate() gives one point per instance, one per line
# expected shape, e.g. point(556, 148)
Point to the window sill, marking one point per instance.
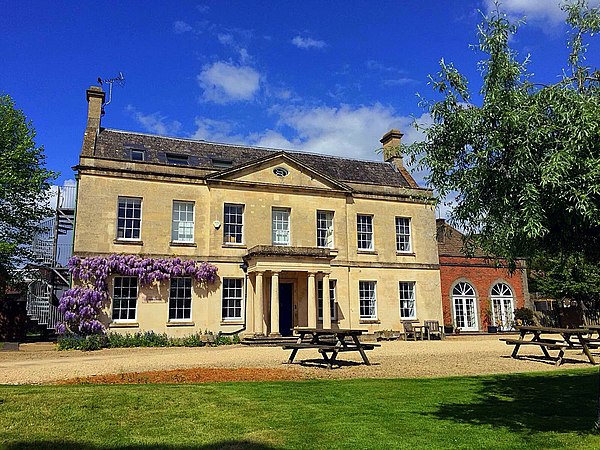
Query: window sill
point(233, 245)
point(405, 253)
point(369, 321)
point(366, 252)
point(232, 322)
point(126, 242)
point(182, 244)
point(124, 325)
point(180, 324)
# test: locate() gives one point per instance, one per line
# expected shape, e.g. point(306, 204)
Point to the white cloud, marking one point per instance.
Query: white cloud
point(348, 131)
point(181, 27)
point(306, 42)
point(399, 81)
point(225, 38)
point(547, 11)
point(154, 122)
point(223, 82)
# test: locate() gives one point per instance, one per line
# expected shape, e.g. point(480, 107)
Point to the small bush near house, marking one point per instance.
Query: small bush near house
point(524, 316)
point(141, 339)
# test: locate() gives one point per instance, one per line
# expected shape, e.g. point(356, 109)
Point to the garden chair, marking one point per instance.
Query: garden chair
point(410, 332)
point(432, 327)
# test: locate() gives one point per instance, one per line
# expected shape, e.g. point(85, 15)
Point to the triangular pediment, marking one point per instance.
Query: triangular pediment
point(282, 170)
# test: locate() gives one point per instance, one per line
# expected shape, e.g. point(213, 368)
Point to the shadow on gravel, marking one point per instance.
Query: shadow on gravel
point(560, 402)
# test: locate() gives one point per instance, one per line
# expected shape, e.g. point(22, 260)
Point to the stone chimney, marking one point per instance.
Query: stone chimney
point(95, 97)
point(393, 154)
point(391, 145)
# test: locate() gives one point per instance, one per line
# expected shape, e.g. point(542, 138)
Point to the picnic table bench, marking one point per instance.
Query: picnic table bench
point(329, 343)
point(546, 343)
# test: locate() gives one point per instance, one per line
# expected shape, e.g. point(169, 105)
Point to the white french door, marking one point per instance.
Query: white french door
point(502, 306)
point(465, 307)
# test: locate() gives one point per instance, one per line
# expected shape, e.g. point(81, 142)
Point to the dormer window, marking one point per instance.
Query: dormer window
point(174, 158)
point(221, 163)
point(138, 155)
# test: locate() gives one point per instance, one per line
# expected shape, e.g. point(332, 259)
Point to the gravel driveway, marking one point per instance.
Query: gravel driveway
point(457, 355)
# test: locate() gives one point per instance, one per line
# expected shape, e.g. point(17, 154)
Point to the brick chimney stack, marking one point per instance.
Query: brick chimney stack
point(95, 97)
point(393, 154)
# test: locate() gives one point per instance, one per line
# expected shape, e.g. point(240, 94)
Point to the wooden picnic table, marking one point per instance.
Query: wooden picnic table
point(571, 339)
point(329, 341)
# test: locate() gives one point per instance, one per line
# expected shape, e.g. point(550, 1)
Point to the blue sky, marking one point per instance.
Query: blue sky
point(322, 76)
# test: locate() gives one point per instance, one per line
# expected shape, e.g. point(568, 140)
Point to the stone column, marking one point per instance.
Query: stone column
point(312, 301)
point(274, 304)
point(326, 302)
point(259, 316)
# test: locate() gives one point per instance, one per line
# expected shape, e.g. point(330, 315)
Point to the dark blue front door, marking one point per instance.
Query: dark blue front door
point(285, 308)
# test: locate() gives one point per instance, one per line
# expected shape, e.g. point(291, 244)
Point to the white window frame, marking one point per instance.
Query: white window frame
point(225, 290)
point(187, 297)
point(366, 287)
point(280, 227)
point(401, 229)
point(332, 299)
point(176, 221)
point(228, 234)
point(365, 230)
point(407, 296)
point(325, 229)
point(127, 201)
point(121, 298)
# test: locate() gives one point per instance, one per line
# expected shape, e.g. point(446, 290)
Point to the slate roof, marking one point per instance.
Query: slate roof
point(450, 240)
point(116, 144)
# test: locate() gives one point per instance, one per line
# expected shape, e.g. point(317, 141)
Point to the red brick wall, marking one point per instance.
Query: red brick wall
point(482, 277)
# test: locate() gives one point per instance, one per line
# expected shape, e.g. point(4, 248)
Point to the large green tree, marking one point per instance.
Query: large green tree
point(525, 161)
point(24, 189)
point(524, 157)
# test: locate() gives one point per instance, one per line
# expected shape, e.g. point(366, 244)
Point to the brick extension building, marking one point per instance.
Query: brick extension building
point(475, 291)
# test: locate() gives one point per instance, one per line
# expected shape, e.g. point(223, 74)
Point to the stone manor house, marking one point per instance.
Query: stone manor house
point(289, 232)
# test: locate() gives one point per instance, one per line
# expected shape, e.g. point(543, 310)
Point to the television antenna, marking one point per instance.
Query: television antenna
point(119, 79)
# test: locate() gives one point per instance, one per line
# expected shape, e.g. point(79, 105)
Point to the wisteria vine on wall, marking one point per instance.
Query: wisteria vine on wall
point(82, 304)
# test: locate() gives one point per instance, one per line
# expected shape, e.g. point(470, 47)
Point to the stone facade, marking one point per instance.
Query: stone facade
point(255, 214)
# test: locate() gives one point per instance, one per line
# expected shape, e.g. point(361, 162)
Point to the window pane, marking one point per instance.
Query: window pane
point(124, 301)
point(233, 223)
point(180, 299)
point(403, 234)
point(232, 291)
point(183, 222)
point(364, 228)
point(129, 213)
point(281, 226)
point(325, 229)
point(368, 300)
point(407, 300)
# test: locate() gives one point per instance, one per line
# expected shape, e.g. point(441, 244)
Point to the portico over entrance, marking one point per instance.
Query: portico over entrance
point(284, 287)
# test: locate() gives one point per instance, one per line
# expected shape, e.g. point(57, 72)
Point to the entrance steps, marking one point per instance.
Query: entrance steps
point(268, 341)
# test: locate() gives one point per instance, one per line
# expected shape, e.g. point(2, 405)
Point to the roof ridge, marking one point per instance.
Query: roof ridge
point(242, 146)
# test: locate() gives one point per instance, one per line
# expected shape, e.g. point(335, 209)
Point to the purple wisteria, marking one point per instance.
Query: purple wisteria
point(82, 304)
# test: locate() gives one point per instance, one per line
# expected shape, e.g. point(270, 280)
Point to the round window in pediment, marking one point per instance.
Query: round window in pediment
point(280, 171)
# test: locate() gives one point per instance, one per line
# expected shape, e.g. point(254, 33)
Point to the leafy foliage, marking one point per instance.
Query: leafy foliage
point(140, 339)
point(570, 276)
point(82, 304)
point(526, 162)
point(24, 187)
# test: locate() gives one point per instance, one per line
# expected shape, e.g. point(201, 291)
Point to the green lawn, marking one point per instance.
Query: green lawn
point(505, 412)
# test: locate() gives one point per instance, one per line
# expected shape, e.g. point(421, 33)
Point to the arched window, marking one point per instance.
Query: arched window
point(464, 304)
point(502, 300)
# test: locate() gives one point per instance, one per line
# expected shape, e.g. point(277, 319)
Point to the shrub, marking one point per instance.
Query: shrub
point(524, 316)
